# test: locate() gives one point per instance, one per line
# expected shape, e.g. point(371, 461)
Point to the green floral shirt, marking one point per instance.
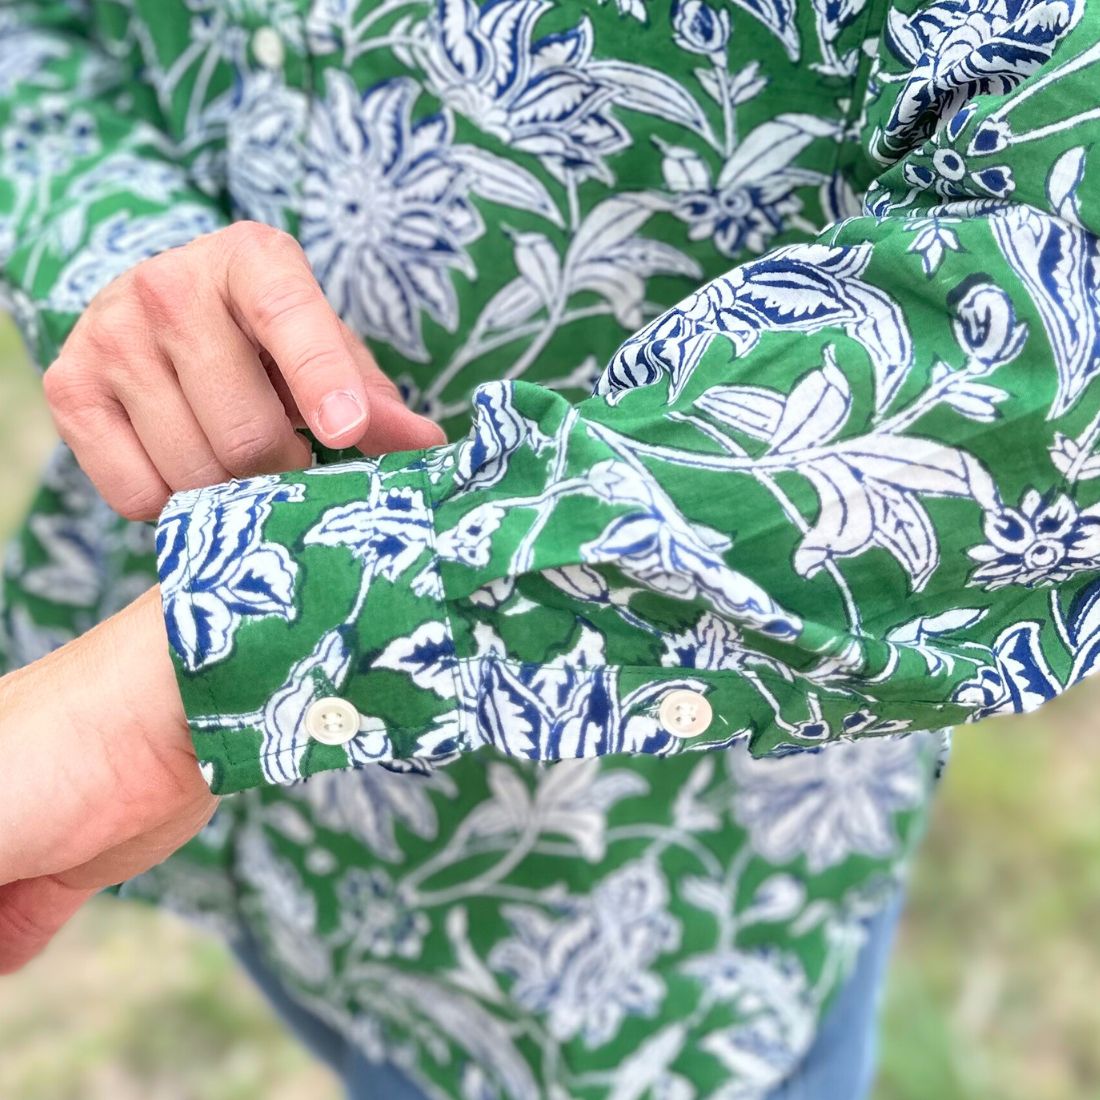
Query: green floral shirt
point(766, 332)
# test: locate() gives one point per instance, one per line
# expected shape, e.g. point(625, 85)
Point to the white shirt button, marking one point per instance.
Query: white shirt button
point(685, 713)
point(332, 721)
point(268, 48)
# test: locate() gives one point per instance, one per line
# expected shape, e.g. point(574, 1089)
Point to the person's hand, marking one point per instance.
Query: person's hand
point(198, 365)
point(98, 779)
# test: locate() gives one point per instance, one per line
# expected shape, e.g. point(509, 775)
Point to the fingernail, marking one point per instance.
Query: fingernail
point(339, 413)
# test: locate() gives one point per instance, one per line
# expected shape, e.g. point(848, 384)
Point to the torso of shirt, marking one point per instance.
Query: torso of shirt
point(507, 190)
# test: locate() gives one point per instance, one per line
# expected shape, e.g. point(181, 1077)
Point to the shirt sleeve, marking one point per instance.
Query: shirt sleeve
point(89, 182)
point(848, 489)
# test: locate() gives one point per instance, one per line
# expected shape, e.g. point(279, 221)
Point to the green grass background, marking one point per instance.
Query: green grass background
point(994, 992)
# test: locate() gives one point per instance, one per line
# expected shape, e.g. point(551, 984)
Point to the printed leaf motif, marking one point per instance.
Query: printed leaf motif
point(504, 181)
point(779, 17)
point(815, 410)
point(643, 89)
point(538, 262)
point(513, 304)
point(750, 409)
point(427, 656)
point(869, 487)
point(573, 798)
point(799, 288)
point(742, 86)
point(1029, 679)
point(285, 739)
point(607, 257)
point(1059, 263)
point(771, 147)
point(778, 898)
point(1084, 631)
point(975, 400)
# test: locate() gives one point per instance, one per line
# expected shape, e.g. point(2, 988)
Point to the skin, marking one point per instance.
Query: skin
point(198, 365)
point(98, 779)
point(194, 367)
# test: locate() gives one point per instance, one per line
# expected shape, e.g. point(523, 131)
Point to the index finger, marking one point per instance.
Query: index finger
point(275, 299)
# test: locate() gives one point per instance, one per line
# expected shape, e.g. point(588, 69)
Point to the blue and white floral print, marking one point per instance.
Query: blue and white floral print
point(216, 569)
point(537, 95)
point(379, 921)
point(263, 148)
point(825, 806)
point(845, 490)
point(770, 989)
point(119, 243)
point(385, 212)
point(375, 805)
point(1041, 542)
point(584, 963)
point(958, 48)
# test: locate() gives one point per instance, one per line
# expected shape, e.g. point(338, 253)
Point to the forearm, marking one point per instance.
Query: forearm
point(94, 748)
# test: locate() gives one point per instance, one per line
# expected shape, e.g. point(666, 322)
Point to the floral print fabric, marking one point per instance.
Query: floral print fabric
point(766, 337)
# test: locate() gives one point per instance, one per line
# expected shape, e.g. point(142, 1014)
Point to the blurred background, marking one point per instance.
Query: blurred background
point(994, 992)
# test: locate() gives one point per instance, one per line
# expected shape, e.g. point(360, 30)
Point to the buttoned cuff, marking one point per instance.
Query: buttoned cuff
point(282, 592)
point(310, 631)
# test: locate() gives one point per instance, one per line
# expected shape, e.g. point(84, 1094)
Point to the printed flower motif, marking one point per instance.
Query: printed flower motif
point(951, 176)
point(263, 157)
point(385, 211)
point(1044, 541)
point(1019, 679)
point(698, 28)
point(953, 50)
point(535, 96)
point(372, 802)
point(387, 532)
point(586, 969)
point(216, 570)
point(120, 242)
point(377, 917)
point(469, 541)
point(754, 196)
point(829, 803)
point(45, 137)
point(768, 988)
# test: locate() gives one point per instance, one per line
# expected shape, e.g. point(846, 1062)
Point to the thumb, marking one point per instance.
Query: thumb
point(392, 425)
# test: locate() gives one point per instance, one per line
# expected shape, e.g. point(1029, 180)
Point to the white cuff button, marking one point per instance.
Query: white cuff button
point(685, 713)
point(268, 48)
point(332, 721)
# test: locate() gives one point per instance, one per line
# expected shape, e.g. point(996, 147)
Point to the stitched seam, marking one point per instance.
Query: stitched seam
point(658, 673)
point(464, 741)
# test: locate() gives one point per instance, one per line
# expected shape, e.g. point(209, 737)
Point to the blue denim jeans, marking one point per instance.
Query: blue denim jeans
point(839, 1066)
